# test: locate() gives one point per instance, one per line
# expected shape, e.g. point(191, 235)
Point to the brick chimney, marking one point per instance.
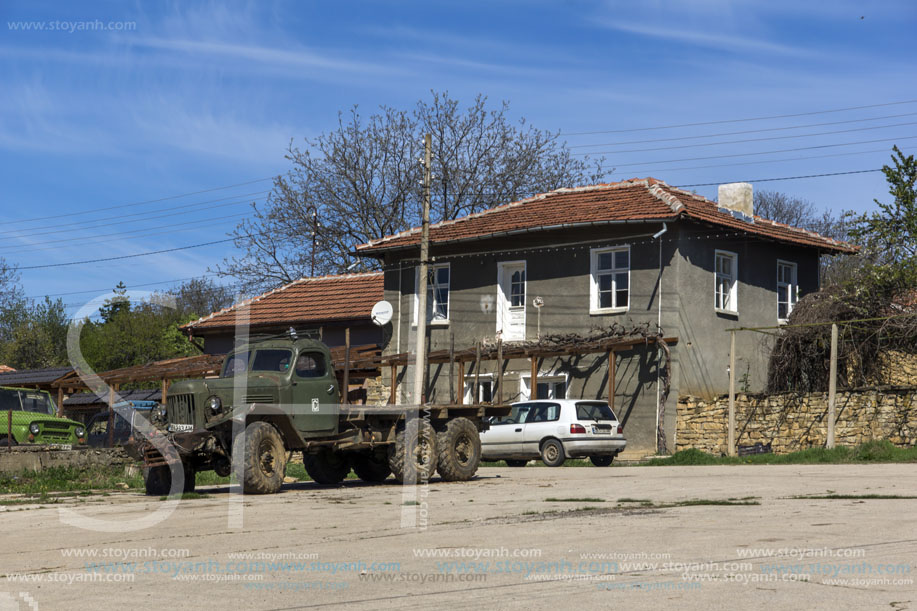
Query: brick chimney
point(737, 199)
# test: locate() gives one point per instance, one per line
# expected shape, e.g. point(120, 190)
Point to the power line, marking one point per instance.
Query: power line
point(700, 144)
point(133, 286)
point(149, 201)
point(739, 133)
point(142, 254)
point(198, 205)
point(709, 184)
point(801, 148)
point(798, 114)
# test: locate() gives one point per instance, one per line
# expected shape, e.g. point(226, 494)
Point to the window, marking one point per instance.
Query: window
point(726, 287)
point(544, 412)
point(549, 386)
point(485, 390)
point(236, 364)
point(610, 279)
point(310, 365)
point(551, 390)
point(517, 288)
point(272, 360)
point(594, 411)
point(787, 289)
point(437, 293)
point(517, 414)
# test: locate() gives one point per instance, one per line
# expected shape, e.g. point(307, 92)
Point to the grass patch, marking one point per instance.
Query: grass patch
point(586, 499)
point(410, 503)
point(67, 479)
point(693, 502)
point(186, 496)
point(871, 451)
point(854, 496)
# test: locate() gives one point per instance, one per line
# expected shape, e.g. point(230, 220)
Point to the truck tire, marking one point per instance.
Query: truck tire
point(371, 467)
point(459, 448)
point(157, 481)
point(263, 458)
point(412, 458)
point(552, 453)
point(327, 467)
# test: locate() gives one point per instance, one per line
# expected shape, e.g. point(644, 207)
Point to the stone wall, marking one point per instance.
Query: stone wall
point(36, 458)
point(791, 422)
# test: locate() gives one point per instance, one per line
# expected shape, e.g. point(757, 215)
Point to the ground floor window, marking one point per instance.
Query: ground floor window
point(548, 387)
point(485, 389)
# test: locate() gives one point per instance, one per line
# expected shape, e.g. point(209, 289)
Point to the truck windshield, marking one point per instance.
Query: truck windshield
point(236, 364)
point(272, 360)
point(24, 400)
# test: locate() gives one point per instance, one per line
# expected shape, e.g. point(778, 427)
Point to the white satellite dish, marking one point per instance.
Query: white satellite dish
point(381, 313)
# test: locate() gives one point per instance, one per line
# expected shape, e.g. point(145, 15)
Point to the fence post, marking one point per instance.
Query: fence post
point(832, 387)
point(731, 432)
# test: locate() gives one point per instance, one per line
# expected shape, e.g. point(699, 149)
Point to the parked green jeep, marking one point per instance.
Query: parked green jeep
point(34, 419)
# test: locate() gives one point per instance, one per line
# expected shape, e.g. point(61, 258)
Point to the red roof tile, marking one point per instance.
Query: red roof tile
point(307, 300)
point(632, 200)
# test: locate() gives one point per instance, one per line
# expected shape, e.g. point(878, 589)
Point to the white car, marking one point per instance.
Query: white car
point(554, 430)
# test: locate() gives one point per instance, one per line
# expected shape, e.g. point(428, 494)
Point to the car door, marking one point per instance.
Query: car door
point(315, 396)
point(504, 438)
point(542, 422)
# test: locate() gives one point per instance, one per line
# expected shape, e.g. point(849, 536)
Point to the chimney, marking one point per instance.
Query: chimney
point(736, 198)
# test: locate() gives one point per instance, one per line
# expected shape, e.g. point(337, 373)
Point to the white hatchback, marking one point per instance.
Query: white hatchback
point(554, 430)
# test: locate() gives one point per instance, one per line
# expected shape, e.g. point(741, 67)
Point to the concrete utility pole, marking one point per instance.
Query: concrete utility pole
point(731, 425)
point(422, 286)
point(832, 387)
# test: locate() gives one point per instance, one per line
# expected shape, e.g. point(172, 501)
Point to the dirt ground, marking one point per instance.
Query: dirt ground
point(532, 538)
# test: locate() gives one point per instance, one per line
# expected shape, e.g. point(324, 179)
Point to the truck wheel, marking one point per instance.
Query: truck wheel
point(602, 461)
point(412, 457)
point(371, 467)
point(459, 449)
point(552, 453)
point(158, 480)
point(263, 458)
point(327, 467)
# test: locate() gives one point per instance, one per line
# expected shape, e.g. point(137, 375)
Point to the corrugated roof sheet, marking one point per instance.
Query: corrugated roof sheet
point(89, 398)
point(646, 199)
point(33, 376)
point(307, 300)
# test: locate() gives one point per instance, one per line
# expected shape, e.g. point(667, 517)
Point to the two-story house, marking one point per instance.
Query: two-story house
point(633, 252)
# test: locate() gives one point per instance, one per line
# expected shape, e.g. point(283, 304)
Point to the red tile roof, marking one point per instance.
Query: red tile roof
point(307, 300)
point(634, 200)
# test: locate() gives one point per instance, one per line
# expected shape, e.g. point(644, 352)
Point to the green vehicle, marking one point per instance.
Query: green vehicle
point(35, 420)
point(290, 401)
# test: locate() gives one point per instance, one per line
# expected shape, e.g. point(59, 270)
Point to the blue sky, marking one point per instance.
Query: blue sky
point(173, 98)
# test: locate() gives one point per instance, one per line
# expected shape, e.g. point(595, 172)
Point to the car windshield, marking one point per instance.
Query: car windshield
point(272, 360)
point(236, 364)
point(516, 415)
point(594, 411)
point(24, 400)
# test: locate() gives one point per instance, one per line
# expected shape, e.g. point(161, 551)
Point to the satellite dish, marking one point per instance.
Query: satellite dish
point(381, 313)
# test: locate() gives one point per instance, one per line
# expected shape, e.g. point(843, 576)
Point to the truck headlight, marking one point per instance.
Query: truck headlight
point(33, 428)
point(80, 431)
point(214, 404)
point(161, 412)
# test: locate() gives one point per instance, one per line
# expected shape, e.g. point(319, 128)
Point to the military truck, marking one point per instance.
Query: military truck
point(279, 395)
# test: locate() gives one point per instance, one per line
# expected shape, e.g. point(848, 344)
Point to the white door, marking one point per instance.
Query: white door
point(511, 300)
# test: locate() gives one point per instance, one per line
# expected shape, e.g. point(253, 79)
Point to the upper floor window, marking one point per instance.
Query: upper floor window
point(787, 289)
point(437, 293)
point(610, 279)
point(726, 289)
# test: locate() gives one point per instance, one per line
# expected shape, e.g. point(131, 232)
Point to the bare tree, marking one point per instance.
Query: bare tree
point(361, 181)
point(13, 303)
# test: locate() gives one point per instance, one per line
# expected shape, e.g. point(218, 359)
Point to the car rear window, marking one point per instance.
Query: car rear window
point(594, 411)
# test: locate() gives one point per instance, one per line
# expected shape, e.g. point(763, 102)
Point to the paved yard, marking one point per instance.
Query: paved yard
point(533, 538)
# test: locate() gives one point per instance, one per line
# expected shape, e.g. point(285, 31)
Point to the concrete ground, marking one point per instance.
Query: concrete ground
point(532, 538)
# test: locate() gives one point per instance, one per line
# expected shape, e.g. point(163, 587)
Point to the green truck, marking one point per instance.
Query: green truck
point(280, 395)
point(29, 417)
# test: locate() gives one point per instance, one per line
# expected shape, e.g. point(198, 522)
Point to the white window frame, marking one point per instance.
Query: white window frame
point(431, 304)
point(594, 307)
point(733, 297)
point(792, 288)
point(469, 381)
point(525, 384)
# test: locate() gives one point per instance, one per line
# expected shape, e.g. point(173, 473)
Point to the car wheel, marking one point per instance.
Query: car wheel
point(516, 463)
point(5, 442)
point(602, 461)
point(552, 453)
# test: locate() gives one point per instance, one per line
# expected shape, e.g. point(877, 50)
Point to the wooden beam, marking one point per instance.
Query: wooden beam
point(393, 399)
point(533, 387)
point(452, 368)
point(111, 416)
point(612, 365)
point(476, 392)
point(60, 401)
point(500, 371)
point(461, 382)
point(345, 395)
point(165, 390)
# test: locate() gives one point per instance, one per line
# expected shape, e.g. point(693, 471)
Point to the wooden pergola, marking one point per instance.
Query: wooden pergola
point(501, 353)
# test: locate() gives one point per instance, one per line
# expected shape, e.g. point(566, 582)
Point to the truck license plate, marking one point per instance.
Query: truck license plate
point(181, 428)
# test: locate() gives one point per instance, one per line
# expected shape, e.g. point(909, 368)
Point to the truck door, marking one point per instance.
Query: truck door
point(315, 395)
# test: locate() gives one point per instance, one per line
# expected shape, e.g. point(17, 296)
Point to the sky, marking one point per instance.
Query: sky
point(132, 127)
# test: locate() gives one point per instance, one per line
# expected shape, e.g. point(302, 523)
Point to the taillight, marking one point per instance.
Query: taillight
point(577, 429)
point(620, 429)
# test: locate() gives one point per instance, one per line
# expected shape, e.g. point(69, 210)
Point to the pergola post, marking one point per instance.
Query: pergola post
point(612, 363)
